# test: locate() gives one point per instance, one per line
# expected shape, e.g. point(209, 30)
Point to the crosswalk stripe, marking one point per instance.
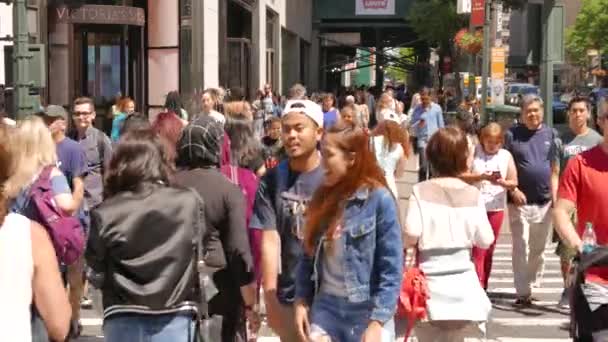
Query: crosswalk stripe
point(541, 290)
point(510, 280)
point(505, 258)
point(91, 322)
point(528, 321)
point(509, 246)
point(536, 303)
point(510, 271)
point(551, 264)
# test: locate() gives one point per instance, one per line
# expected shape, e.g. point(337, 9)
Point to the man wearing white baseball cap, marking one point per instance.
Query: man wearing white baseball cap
point(278, 211)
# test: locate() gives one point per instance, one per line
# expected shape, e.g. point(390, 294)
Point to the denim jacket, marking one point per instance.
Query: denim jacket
point(373, 255)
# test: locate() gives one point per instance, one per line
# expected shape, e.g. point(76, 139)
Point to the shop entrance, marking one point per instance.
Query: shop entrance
point(109, 64)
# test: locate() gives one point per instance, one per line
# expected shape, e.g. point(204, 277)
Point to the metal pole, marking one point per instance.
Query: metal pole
point(22, 84)
point(546, 67)
point(485, 70)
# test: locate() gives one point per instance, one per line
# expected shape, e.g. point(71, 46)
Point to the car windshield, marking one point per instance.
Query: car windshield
point(514, 89)
point(529, 90)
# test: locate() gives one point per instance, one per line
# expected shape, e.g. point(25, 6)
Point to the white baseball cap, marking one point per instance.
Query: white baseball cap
point(306, 107)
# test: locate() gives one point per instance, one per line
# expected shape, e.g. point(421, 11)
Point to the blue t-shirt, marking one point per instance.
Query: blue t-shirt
point(426, 121)
point(533, 153)
point(280, 201)
point(330, 118)
point(71, 160)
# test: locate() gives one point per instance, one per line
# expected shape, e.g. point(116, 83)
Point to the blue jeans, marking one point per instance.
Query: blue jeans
point(342, 320)
point(180, 327)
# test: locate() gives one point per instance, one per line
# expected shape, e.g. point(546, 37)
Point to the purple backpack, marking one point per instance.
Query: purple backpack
point(65, 231)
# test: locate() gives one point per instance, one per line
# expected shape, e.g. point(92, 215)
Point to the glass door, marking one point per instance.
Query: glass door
point(110, 59)
point(106, 70)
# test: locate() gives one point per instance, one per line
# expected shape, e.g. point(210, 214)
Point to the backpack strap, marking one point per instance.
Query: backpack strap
point(43, 181)
point(100, 148)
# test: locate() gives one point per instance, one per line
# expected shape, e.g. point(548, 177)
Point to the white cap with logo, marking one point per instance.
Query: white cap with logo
point(306, 107)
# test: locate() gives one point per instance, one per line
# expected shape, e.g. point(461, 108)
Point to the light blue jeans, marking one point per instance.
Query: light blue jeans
point(177, 327)
point(342, 320)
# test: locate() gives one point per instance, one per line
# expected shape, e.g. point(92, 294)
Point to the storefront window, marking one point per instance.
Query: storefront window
point(186, 67)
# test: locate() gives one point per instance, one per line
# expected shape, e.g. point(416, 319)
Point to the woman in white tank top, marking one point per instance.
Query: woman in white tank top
point(493, 172)
point(28, 269)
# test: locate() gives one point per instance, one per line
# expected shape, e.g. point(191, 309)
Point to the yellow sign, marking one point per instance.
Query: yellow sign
point(498, 62)
point(498, 76)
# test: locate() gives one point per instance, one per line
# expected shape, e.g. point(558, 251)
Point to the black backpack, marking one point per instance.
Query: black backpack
point(583, 321)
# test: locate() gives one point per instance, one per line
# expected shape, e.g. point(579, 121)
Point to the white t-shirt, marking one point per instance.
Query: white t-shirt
point(388, 159)
point(494, 196)
point(447, 213)
point(16, 273)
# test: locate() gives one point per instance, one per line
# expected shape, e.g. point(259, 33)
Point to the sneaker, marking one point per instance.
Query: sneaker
point(564, 301)
point(523, 301)
point(86, 303)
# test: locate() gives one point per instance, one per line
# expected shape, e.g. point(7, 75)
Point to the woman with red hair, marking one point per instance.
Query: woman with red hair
point(350, 275)
point(169, 128)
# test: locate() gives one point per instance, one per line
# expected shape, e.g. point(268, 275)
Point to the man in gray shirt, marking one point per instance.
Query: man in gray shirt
point(579, 138)
point(97, 146)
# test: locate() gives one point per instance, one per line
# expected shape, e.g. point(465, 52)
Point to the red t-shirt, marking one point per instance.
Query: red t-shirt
point(585, 182)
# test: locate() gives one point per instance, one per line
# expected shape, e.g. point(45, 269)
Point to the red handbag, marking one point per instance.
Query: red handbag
point(413, 296)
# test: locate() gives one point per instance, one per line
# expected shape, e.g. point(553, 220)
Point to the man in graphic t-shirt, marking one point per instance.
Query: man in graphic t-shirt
point(535, 149)
point(584, 188)
point(578, 139)
point(279, 207)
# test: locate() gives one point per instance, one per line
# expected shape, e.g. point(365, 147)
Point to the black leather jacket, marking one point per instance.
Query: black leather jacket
point(143, 244)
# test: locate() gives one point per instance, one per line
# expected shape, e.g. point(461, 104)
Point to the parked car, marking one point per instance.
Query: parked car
point(516, 91)
point(560, 109)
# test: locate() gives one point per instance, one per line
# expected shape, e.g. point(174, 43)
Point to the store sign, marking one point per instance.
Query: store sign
point(101, 14)
point(498, 75)
point(478, 9)
point(375, 7)
point(463, 6)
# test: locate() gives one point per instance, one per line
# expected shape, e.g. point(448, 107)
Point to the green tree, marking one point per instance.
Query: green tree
point(436, 22)
point(589, 32)
point(397, 68)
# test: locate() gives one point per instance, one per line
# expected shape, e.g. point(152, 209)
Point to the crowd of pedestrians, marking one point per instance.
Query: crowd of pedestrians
point(295, 204)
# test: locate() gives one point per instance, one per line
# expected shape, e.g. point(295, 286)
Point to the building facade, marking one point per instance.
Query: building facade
point(147, 48)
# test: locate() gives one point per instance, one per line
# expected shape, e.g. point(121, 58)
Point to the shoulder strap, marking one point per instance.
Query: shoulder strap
point(43, 177)
point(100, 148)
point(201, 268)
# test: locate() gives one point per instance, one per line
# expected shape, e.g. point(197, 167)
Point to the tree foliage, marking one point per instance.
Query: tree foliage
point(436, 21)
point(397, 72)
point(589, 32)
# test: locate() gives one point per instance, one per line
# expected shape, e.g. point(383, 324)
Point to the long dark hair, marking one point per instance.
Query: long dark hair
point(138, 159)
point(326, 208)
point(173, 103)
point(243, 144)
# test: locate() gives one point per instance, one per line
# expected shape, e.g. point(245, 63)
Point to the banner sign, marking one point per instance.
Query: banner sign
point(101, 14)
point(478, 9)
point(375, 7)
point(498, 75)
